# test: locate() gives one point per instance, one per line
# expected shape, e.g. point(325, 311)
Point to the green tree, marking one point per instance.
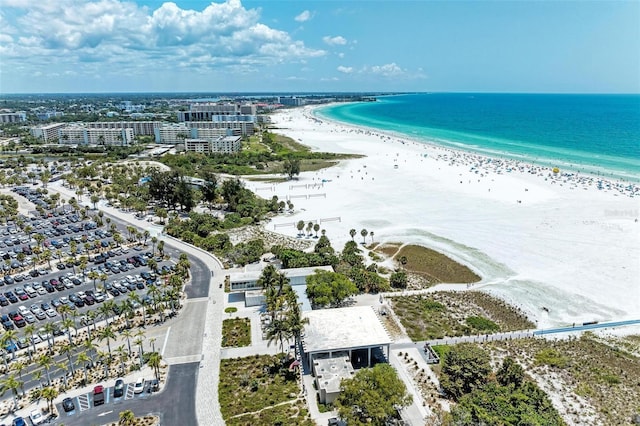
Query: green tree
point(300, 226)
point(352, 232)
point(126, 418)
point(291, 167)
point(464, 368)
point(398, 279)
point(372, 396)
point(326, 288)
point(9, 382)
point(510, 373)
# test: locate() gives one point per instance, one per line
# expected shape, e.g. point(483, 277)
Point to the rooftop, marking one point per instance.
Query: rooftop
point(329, 372)
point(343, 328)
point(289, 273)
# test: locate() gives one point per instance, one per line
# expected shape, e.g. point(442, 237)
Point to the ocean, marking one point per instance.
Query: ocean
point(597, 134)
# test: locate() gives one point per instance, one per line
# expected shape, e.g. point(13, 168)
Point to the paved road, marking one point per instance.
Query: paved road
point(175, 404)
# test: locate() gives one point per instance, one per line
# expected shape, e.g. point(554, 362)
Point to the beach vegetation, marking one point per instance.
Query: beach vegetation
point(598, 374)
point(448, 314)
point(485, 397)
point(251, 390)
point(398, 279)
point(434, 266)
point(372, 397)
point(465, 367)
point(236, 332)
point(482, 324)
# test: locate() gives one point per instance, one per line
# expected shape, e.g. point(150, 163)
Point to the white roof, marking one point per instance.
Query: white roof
point(343, 328)
point(289, 273)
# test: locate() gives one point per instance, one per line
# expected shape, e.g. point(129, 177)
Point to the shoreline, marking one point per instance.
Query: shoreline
point(537, 241)
point(566, 169)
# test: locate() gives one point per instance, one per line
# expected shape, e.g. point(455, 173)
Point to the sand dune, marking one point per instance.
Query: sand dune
point(565, 242)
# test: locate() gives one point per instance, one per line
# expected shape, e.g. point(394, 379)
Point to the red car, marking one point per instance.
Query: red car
point(98, 395)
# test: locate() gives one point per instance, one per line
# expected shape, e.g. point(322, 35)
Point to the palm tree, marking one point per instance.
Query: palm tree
point(154, 362)
point(278, 331)
point(11, 383)
point(122, 354)
point(45, 361)
point(49, 328)
point(107, 334)
point(300, 226)
point(128, 334)
point(316, 228)
point(146, 234)
point(93, 275)
point(154, 241)
point(64, 310)
point(161, 248)
point(90, 350)
point(364, 234)
point(67, 350)
point(83, 359)
point(106, 310)
point(294, 319)
point(153, 265)
point(352, 232)
point(68, 323)
point(9, 339)
point(50, 393)
point(65, 369)
point(309, 228)
point(127, 418)
point(30, 330)
point(371, 235)
point(19, 367)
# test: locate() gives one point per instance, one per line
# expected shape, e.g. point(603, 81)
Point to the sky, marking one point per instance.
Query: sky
point(86, 46)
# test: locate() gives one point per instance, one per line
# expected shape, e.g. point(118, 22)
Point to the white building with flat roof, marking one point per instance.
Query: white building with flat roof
point(49, 133)
point(243, 281)
point(172, 133)
point(328, 373)
point(356, 332)
point(13, 117)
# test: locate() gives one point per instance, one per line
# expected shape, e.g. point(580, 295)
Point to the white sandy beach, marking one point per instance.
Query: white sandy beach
point(538, 240)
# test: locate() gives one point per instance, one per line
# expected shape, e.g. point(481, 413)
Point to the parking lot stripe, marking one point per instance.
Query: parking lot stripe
point(129, 393)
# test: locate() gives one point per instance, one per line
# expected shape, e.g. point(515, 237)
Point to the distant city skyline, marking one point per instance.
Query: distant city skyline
point(87, 46)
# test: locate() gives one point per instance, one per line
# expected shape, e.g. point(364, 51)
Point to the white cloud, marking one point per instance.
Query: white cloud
point(387, 70)
point(304, 16)
point(346, 70)
point(334, 41)
point(73, 34)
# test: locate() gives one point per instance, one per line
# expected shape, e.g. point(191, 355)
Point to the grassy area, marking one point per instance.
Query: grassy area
point(447, 314)
point(388, 249)
point(236, 332)
point(254, 145)
point(251, 388)
point(290, 144)
point(294, 413)
point(273, 179)
point(434, 266)
point(590, 377)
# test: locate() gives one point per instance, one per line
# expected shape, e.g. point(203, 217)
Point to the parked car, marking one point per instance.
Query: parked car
point(139, 386)
point(98, 395)
point(118, 389)
point(68, 405)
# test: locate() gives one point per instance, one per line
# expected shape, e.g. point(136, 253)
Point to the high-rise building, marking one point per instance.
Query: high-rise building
point(13, 117)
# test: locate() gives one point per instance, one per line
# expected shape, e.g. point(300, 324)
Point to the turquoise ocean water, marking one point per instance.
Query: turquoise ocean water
point(598, 134)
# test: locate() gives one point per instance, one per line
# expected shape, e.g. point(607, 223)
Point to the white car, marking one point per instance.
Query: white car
point(139, 386)
point(36, 417)
point(51, 312)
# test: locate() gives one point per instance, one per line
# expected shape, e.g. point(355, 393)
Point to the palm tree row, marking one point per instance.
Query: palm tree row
point(286, 319)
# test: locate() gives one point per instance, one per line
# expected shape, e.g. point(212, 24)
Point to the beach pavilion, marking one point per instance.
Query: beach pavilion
point(354, 332)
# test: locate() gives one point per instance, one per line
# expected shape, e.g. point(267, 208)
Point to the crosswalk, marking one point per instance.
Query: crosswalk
point(83, 402)
point(129, 392)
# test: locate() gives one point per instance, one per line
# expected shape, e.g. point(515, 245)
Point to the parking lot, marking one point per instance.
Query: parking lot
point(43, 270)
point(86, 401)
